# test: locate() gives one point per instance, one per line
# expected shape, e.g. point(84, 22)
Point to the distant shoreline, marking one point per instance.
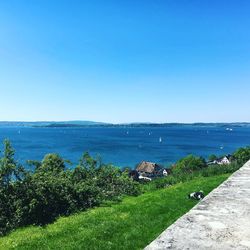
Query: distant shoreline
point(79, 124)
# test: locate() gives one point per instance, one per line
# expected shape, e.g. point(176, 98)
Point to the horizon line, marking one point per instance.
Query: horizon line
point(119, 123)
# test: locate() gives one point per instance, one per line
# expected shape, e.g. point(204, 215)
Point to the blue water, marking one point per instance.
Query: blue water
point(125, 146)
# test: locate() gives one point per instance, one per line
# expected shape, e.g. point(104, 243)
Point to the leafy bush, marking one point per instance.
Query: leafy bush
point(220, 169)
point(189, 164)
point(51, 190)
point(242, 155)
point(212, 157)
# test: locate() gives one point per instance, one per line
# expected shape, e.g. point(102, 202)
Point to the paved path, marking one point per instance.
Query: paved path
point(219, 222)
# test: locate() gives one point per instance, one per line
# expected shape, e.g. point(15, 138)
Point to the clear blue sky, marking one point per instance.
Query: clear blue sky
point(125, 61)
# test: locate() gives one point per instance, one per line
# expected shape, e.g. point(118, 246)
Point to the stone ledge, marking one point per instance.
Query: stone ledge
point(220, 221)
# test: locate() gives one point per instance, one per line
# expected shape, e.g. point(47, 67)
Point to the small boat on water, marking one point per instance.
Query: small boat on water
point(160, 140)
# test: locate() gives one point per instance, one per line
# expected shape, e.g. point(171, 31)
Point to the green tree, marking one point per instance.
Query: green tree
point(212, 157)
point(52, 162)
point(242, 155)
point(7, 163)
point(189, 164)
point(10, 174)
point(9, 168)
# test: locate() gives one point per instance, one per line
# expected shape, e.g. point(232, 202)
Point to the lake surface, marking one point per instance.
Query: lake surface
point(123, 146)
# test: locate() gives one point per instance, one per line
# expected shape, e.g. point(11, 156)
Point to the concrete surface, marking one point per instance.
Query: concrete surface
point(220, 221)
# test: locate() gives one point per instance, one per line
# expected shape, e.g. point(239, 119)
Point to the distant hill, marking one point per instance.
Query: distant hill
point(74, 124)
point(52, 124)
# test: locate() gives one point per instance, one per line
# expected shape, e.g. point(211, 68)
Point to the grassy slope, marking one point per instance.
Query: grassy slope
point(131, 224)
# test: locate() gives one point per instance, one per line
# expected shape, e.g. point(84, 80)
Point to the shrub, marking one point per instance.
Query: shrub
point(189, 164)
point(212, 157)
point(242, 155)
point(51, 190)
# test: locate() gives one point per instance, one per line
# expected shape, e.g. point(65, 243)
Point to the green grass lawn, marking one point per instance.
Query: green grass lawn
point(131, 224)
